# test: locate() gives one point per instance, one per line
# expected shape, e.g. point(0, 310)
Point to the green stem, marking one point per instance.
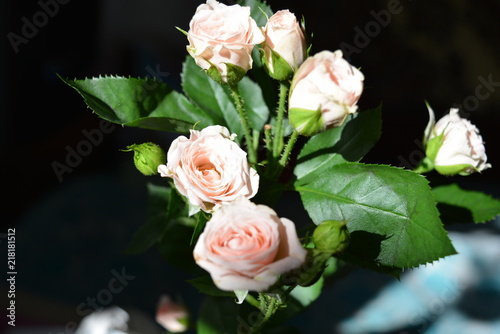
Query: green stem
point(288, 149)
point(252, 153)
point(424, 166)
point(278, 134)
point(271, 308)
point(289, 289)
point(269, 142)
point(252, 301)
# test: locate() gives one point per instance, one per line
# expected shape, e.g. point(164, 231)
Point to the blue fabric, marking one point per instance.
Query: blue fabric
point(458, 294)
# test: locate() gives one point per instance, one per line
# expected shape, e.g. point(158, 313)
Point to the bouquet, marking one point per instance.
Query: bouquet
point(262, 122)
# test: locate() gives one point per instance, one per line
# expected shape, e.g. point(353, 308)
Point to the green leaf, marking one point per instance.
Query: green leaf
point(348, 143)
point(145, 103)
point(458, 205)
point(254, 103)
point(212, 98)
point(220, 315)
point(259, 11)
point(201, 219)
point(157, 219)
point(391, 213)
point(268, 85)
point(174, 244)
point(216, 99)
point(167, 227)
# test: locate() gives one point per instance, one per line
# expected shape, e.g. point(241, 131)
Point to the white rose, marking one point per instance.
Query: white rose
point(245, 246)
point(220, 35)
point(454, 145)
point(324, 90)
point(210, 168)
point(285, 37)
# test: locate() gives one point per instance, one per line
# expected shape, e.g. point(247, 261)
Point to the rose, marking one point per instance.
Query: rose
point(454, 145)
point(210, 168)
point(221, 39)
point(285, 46)
point(324, 90)
point(172, 316)
point(245, 246)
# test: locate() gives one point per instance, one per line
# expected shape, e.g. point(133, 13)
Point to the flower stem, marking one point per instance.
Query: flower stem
point(278, 134)
point(270, 309)
point(288, 149)
point(252, 153)
point(424, 166)
point(269, 142)
point(252, 301)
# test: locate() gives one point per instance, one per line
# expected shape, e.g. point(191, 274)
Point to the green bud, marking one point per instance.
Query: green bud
point(276, 67)
point(432, 147)
point(461, 169)
point(233, 76)
point(331, 236)
point(306, 122)
point(147, 157)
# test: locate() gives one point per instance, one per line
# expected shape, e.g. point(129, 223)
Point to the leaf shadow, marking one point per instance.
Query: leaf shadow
point(452, 214)
point(364, 249)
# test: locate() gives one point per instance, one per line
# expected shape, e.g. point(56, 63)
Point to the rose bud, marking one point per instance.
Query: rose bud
point(210, 169)
point(147, 157)
point(245, 246)
point(285, 47)
point(331, 236)
point(221, 39)
point(172, 316)
point(324, 90)
point(453, 145)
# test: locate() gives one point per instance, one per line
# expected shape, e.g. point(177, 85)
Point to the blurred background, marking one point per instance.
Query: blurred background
point(72, 229)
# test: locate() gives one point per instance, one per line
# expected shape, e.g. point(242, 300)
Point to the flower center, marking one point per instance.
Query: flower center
point(209, 172)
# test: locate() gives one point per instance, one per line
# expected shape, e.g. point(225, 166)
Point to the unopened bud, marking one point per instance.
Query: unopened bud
point(147, 157)
point(331, 236)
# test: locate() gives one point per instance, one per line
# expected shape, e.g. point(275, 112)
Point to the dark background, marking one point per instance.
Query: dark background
point(70, 234)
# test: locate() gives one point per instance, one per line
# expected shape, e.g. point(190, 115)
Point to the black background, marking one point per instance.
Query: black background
point(434, 51)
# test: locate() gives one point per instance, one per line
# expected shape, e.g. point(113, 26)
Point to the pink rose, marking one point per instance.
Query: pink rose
point(172, 316)
point(219, 35)
point(246, 246)
point(326, 89)
point(210, 168)
point(285, 37)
